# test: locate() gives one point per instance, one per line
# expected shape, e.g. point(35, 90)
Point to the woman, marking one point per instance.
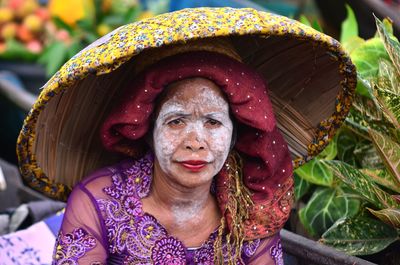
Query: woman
point(208, 178)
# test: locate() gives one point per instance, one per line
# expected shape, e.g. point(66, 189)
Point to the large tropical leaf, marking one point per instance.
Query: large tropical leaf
point(359, 235)
point(388, 78)
point(389, 151)
point(367, 156)
point(346, 143)
point(390, 102)
point(361, 183)
point(391, 44)
point(301, 186)
point(383, 178)
point(390, 216)
point(325, 207)
point(349, 28)
point(367, 56)
point(330, 151)
point(316, 172)
point(367, 113)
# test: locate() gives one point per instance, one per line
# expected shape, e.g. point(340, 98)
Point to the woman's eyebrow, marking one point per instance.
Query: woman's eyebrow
point(175, 113)
point(216, 114)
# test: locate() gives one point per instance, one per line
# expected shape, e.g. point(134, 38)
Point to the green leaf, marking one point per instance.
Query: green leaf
point(359, 235)
point(367, 56)
point(368, 107)
point(390, 216)
point(388, 25)
point(324, 208)
point(330, 151)
point(353, 43)
point(54, 57)
point(90, 37)
point(361, 183)
point(114, 20)
point(355, 123)
point(349, 26)
point(98, 11)
point(316, 172)
point(301, 187)
point(364, 87)
point(74, 48)
point(367, 156)
point(62, 25)
point(132, 14)
point(365, 114)
point(17, 51)
point(383, 178)
point(87, 25)
point(391, 44)
point(346, 143)
point(390, 103)
point(314, 24)
point(303, 19)
point(388, 79)
point(389, 151)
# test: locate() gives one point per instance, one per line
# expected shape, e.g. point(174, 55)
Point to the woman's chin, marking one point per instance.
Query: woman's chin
point(193, 178)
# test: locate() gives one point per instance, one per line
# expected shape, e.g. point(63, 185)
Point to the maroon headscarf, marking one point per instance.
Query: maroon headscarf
point(267, 165)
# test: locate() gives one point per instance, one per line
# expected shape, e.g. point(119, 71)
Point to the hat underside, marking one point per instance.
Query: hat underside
point(301, 85)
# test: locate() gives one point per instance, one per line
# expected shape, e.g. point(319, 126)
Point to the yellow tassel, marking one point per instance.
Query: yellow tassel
point(239, 201)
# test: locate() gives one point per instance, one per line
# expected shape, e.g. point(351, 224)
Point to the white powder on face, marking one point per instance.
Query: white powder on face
point(167, 141)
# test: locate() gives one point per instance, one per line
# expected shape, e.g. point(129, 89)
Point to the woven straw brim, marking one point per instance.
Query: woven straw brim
point(311, 83)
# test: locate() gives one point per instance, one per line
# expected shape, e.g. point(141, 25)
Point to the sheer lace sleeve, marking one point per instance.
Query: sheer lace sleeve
point(269, 252)
point(81, 239)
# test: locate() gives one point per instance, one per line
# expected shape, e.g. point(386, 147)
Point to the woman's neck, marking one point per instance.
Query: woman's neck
point(181, 210)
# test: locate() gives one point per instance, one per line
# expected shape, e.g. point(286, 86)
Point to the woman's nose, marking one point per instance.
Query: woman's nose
point(194, 142)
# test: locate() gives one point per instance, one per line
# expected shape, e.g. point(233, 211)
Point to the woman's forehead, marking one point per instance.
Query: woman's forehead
point(194, 91)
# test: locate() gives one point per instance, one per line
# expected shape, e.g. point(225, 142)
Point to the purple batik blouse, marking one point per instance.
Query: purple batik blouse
point(104, 223)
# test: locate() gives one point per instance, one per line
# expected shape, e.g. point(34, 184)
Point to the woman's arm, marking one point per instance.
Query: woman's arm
point(81, 238)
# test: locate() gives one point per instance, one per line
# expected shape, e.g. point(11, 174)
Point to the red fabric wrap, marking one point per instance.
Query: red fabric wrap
point(267, 169)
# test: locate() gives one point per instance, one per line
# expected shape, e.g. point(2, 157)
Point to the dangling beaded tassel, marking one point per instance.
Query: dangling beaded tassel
point(239, 201)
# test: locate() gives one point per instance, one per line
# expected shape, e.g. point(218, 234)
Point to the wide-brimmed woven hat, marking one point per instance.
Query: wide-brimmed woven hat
point(311, 84)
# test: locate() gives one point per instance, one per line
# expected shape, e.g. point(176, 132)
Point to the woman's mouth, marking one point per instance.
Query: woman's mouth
point(194, 165)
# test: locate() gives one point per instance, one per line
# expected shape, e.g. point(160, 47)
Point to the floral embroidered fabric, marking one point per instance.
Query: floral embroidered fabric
point(72, 246)
point(129, 235)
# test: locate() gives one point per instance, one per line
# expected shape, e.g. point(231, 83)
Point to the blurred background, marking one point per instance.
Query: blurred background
point(39, 36)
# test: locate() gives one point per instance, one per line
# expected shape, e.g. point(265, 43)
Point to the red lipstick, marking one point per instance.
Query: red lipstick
point(194, 165)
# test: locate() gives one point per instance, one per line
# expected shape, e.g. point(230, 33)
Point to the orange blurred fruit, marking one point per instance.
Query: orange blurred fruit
point(9, 30)
point(26, 8)
point(63, 35)
point(24, 34)
point(6, 14)
point(43, 13)
point(34, 23)
point(15, 4)
point(3, 47)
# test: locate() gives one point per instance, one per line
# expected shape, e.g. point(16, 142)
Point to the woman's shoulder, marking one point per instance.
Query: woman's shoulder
point(129, 175)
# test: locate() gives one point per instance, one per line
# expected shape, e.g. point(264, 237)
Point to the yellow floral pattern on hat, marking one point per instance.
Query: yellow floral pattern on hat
point(116, 48)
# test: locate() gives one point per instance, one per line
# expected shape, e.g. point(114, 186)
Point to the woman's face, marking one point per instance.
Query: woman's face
point(192, 133)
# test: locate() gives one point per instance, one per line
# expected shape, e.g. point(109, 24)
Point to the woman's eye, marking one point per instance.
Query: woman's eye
point(175, 122)
point(213, 123)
